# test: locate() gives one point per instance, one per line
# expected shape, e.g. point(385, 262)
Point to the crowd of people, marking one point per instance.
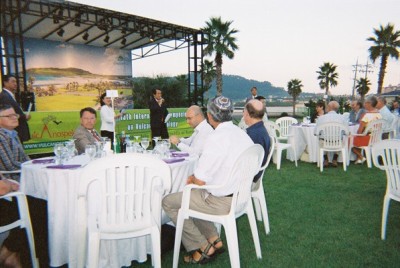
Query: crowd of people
point(216, 140)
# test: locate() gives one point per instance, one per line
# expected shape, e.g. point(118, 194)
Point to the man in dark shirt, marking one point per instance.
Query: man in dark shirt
point(158, 113)
point(253, 114)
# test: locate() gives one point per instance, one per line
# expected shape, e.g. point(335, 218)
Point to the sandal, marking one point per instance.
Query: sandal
point(219, 250)
point(204, 257)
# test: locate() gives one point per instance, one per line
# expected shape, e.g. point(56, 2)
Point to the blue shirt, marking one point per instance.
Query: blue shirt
point(259, 134)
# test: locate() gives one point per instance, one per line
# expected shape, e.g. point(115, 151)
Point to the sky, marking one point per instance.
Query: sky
point(278, 40)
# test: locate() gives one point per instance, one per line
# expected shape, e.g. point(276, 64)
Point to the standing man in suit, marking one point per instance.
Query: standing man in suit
point(158, 113)
point(86, 134)
point(253, 95)
point(7, 96)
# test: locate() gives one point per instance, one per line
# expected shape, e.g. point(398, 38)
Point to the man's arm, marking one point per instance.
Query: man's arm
point(7, 186)
point(81, 140)
point(7, 161)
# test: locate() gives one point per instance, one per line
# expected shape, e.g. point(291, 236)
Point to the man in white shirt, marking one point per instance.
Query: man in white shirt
point(223, 147)
point(330, 117)
point(387, 116)
point(195, 143)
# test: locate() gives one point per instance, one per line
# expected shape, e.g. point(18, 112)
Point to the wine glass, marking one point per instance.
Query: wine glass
point(145, 143)
point(58, 150)
point(167, 143)
point(90, 150)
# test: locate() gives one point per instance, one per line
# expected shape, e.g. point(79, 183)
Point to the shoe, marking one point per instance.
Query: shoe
point(326, 163)
point(218, 250)
point(363, 160)
point(204, 257)
point(360, 161)
point(334, 163)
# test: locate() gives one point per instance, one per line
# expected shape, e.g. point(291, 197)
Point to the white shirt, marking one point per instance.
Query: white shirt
point(331, 117)
point(222, 148)
point(388, 117)
point(107, 118)
point(195, 143)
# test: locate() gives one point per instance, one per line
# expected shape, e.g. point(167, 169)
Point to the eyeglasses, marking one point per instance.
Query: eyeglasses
point(12, 116)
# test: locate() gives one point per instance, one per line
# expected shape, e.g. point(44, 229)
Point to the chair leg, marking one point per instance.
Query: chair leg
point(344, 159)
point(264, 209)
point(321, 160)
point(257, 208)
point(278, 159)
point(93, 250)
point(156, 247)
point(254, 231)
point(178, 238)
point(368, 156)
point(386, 203)
point(232, 240)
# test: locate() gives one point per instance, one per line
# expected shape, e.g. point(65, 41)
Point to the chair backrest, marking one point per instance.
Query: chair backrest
point(346, 115)
point(272, 128)
point(389, 153)
point(284, 123)
point(129, 188)
point(333, 134)
point(246, 167)
point(375, 130)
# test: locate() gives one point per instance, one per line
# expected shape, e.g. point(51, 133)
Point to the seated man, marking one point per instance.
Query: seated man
point(253, 113)
point(195, 143)
point(387, 116)
point(224, 145)
point(242, 124)
point(11, 150)
point(86, 134)
point(329, 117)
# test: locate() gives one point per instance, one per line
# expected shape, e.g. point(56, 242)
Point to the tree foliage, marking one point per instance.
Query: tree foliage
point(363, 87)
point(386, 43)
point(328, 76)
point(294, 90)
point(220, 40)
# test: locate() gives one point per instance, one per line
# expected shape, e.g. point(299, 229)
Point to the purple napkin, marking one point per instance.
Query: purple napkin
point(179, 154)
point(43, 161)
point(173, 160)
point(64, 166)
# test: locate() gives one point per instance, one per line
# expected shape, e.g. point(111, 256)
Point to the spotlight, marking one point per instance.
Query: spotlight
point(85, 36)
point(123, 41)
point(151, 38)
point(107, 38)
point(60, 32)
point(123, 31)
point(55, 19)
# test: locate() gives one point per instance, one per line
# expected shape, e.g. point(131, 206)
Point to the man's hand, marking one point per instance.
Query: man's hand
point(7, 186)
point(193, 180)
point(174, 139)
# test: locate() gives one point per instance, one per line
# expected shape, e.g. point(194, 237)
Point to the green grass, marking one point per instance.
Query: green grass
point(329, 219)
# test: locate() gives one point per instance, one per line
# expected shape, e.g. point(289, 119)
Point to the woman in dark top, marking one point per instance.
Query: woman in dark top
point(319, 110)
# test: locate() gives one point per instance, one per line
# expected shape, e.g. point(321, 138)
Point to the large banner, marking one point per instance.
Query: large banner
point(65, 77)
point(48, 128)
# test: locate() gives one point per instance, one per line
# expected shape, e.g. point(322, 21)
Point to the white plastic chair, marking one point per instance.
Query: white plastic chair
point(374, 129)
point(258, 195)
point(23, 222)
point(284, 123)
point(388, 151)
point(246, 167)
point(274, 132)
point(334, 138)
point(128, 190)
point(394, 128)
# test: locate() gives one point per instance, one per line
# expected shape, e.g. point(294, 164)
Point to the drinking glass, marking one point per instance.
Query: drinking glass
point(58, 150)
point(70, 145)
point(145, 143)
point(130, 147)
point(90, 150)
point(167, 143)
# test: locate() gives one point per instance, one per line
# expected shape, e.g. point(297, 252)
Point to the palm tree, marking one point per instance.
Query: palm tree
point(328, 76)
point(208, 77)
point(363, 87)
point(386, 42)
point(294, 89)
point(220, 39)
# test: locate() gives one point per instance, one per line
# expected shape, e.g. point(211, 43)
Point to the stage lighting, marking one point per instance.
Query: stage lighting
point(60, 32)
point(85, 36)
point(55, 19)
point(123, 41)
point(107, 38)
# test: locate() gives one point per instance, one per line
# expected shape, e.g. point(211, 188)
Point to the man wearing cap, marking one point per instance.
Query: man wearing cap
point(223, 146)
point(195, 143)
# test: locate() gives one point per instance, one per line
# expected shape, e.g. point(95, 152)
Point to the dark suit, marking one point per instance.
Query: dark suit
point(82, 138)
point(23, 128)
point(157, 119)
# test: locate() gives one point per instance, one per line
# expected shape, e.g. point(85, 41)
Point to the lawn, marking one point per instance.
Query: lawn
point(329, 219)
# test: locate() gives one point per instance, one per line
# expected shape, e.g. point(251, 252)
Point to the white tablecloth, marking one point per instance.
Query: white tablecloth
point(58, 187)
point(304, 138)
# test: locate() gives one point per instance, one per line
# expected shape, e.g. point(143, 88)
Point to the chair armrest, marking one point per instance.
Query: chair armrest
point(10, 172)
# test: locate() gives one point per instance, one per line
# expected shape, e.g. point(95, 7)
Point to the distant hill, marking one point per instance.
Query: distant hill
point(238, 88)
point(58, 71)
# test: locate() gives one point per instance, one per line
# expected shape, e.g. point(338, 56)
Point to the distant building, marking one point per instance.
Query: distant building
point(390, 88)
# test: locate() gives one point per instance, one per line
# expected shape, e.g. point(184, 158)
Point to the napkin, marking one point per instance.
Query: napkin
point(177, 154)
point(43, 161)
point(64, 166)
point(173, 160)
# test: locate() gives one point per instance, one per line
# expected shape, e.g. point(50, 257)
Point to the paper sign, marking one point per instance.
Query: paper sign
point(112, 93)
